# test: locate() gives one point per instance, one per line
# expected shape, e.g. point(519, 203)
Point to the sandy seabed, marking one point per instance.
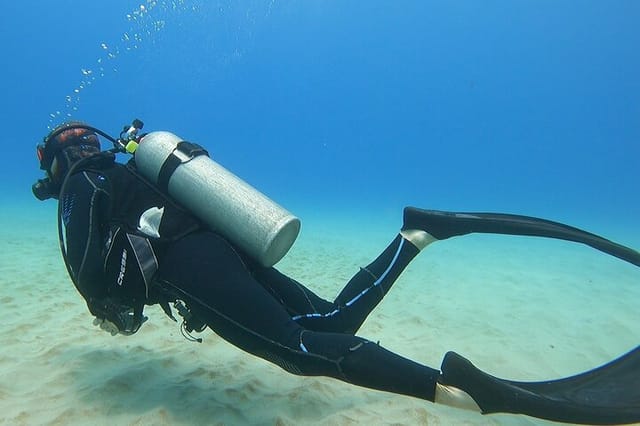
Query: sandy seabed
point(518, 308)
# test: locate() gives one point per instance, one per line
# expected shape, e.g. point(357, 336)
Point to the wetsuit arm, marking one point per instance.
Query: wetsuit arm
point(85, 216)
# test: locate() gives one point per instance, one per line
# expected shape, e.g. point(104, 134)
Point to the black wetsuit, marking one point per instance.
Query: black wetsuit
point(258, 309)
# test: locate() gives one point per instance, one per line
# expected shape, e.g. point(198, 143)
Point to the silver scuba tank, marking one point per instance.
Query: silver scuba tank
point(249, 219)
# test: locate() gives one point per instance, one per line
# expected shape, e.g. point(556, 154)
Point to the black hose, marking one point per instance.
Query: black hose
point(80, 126)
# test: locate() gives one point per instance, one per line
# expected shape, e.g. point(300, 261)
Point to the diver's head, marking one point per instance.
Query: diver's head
point(61, 148)
point(65, 145)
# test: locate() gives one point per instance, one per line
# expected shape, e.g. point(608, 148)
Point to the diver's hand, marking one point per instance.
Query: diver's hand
point(116, 318)
point(106, 325)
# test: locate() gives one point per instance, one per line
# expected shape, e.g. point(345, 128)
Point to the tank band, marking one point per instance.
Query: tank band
point(185, 151)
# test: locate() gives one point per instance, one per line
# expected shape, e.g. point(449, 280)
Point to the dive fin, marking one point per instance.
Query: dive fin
point(442, 225)
point(609, 394)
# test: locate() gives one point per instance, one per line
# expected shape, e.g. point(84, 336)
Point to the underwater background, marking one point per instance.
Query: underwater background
point(528, 107)
point(343, 112)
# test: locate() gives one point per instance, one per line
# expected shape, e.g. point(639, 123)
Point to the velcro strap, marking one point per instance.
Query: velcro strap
point(184, 152)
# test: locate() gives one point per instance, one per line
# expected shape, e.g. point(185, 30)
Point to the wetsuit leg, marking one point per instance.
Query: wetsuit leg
point(203, 270)
point(354, 303)
point(295, 297)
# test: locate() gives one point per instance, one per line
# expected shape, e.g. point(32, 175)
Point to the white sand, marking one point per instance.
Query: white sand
point(524, 309)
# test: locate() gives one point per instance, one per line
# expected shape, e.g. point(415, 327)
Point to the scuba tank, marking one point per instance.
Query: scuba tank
point(228, 205)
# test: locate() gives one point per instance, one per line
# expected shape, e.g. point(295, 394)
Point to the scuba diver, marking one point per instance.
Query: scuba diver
point(128, 241)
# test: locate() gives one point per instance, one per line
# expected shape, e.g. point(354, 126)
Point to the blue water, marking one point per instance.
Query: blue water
point(527, 107)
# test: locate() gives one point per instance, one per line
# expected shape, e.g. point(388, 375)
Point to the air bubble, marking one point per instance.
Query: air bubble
point(142, 29)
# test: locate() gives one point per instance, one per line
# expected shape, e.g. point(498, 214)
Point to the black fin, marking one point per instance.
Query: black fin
point(609, 394)
point(443, 225)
